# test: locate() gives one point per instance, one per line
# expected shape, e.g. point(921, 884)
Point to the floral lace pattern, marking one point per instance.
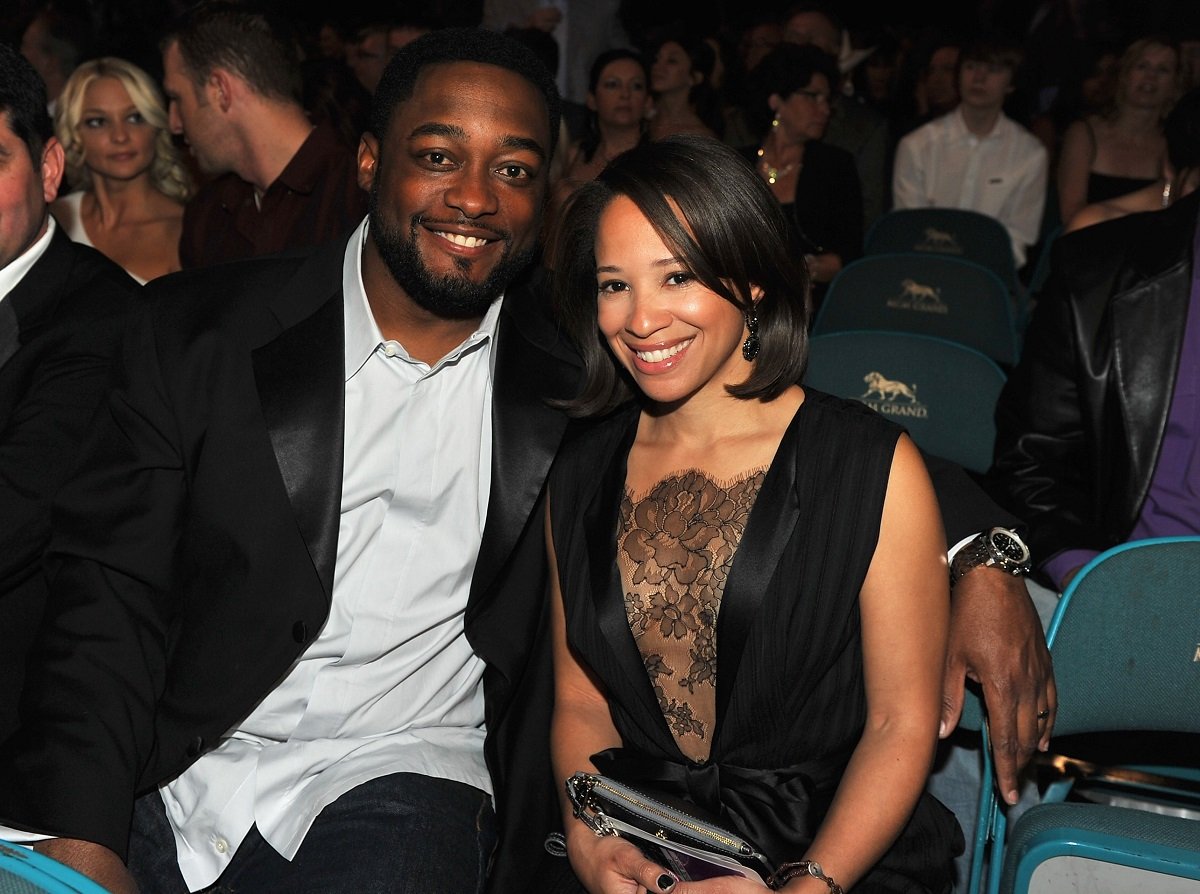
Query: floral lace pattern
point(675, 549)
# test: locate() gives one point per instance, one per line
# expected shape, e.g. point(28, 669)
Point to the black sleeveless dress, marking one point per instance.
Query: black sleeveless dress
point(790, 699)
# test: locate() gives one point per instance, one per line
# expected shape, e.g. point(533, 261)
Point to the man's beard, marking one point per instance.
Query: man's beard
point(449, 296)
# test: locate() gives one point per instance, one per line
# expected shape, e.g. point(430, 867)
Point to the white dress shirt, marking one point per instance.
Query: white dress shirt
point(390, 684)
point(16, 269)
point(943, 165)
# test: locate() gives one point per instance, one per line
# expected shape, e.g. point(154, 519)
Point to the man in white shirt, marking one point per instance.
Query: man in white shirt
point(976, 157)
point(62, 306)
point(298, 579)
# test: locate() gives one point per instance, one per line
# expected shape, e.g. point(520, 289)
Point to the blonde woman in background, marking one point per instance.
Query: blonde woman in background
point(130, 183)
point(1107, 155)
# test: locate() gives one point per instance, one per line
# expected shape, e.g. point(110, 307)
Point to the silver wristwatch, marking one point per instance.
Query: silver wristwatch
point(999, 548)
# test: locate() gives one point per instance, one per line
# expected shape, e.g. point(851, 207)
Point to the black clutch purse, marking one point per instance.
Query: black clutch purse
point(674, 834)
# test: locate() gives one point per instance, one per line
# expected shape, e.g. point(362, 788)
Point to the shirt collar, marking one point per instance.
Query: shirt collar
point(959, 127)
point(307, 168)
point(363, 336)
point(19, 266)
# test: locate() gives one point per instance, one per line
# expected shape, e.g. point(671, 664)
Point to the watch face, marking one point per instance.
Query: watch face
point(1009, 546)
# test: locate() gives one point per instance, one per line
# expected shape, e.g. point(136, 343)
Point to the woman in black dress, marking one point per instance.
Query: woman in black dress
point(750, 598)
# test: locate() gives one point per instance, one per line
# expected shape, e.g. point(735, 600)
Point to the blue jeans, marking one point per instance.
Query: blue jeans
point(401, 834)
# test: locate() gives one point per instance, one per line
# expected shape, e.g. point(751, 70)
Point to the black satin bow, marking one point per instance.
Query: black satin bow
point(776, 810)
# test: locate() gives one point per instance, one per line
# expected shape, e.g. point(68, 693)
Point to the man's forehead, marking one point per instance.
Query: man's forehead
point(461, 88)
point(437, 75)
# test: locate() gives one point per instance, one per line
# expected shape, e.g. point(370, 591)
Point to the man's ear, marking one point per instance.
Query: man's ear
point(368, 160)
point(221, 87)
point(53, 162)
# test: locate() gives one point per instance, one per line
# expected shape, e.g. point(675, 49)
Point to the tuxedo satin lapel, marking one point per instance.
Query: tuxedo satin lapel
point(772, 521)
point(526, 433)
point(1147, 332)
point(300, 380)
point(10, 333)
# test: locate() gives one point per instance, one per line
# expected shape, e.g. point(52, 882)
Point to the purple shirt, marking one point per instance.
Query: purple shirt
point(1172, 505)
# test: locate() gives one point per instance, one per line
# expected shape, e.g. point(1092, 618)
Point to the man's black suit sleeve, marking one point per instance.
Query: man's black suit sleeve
point(70, 327)
point(966, 507)
point(1042, 466)
point(99, 667)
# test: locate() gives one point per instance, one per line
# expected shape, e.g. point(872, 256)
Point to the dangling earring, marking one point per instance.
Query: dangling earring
point(750, 345)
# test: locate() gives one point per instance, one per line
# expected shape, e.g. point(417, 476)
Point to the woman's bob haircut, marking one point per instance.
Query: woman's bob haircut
point(732, 237)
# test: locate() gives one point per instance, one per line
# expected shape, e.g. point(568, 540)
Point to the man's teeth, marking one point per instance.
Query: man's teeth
point(661, 355)
point(464, 241)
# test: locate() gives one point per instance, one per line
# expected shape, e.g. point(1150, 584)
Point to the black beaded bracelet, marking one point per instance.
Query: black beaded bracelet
point(789, 871)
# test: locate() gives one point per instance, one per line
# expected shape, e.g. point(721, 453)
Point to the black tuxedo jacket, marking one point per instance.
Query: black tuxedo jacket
point(1080, 422)
point(59, 328)
point(193, 556)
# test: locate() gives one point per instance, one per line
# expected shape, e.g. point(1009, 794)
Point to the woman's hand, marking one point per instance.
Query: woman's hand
point(611, 865)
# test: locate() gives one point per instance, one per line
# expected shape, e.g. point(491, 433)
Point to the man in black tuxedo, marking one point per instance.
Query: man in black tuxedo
point(61, 307)
point(272, 615)
point(240, 568)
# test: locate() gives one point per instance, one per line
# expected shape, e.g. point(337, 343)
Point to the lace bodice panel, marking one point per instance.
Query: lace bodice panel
point(675, 548)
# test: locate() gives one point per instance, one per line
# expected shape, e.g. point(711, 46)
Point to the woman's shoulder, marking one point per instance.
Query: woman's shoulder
point(829, 160)
point(850, 421)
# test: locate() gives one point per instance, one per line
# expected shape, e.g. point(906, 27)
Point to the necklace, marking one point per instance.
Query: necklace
point(772, 173)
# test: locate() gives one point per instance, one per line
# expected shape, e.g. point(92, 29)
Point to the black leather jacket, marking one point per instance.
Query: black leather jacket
point(1081, 421)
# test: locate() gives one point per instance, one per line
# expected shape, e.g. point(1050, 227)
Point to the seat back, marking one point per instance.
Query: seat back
point(958, 232)
point(1126, 640)
point(24, 872)
point(935, 295)
point(942, 392)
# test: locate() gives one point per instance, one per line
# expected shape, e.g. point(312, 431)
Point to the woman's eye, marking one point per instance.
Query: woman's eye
point(681, 278)
point(93, 123)
point(611, 286)
point(136, 118)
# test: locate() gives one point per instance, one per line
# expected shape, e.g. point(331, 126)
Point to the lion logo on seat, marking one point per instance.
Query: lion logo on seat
point(892, 397)
point(920, 297)
point(887, 389)
point(939, 241)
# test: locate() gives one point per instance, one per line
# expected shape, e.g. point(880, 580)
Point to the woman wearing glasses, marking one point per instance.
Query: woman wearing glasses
point(816, 183)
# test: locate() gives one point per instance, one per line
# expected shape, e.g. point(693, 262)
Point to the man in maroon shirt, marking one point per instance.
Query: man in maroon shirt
point(278, 182)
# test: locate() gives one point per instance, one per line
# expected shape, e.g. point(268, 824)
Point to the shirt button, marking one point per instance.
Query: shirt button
point(390, 349)
point(221, 845)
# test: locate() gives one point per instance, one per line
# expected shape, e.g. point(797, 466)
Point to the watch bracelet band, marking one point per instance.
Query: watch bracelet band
point(976, 552)
point(789, 871)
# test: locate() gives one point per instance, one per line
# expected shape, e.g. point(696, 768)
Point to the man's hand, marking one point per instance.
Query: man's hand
point(996, 639)
point(93, 860)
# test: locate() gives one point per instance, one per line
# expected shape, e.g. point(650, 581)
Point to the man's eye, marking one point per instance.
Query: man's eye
point(437, 158)
point(515, 172)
